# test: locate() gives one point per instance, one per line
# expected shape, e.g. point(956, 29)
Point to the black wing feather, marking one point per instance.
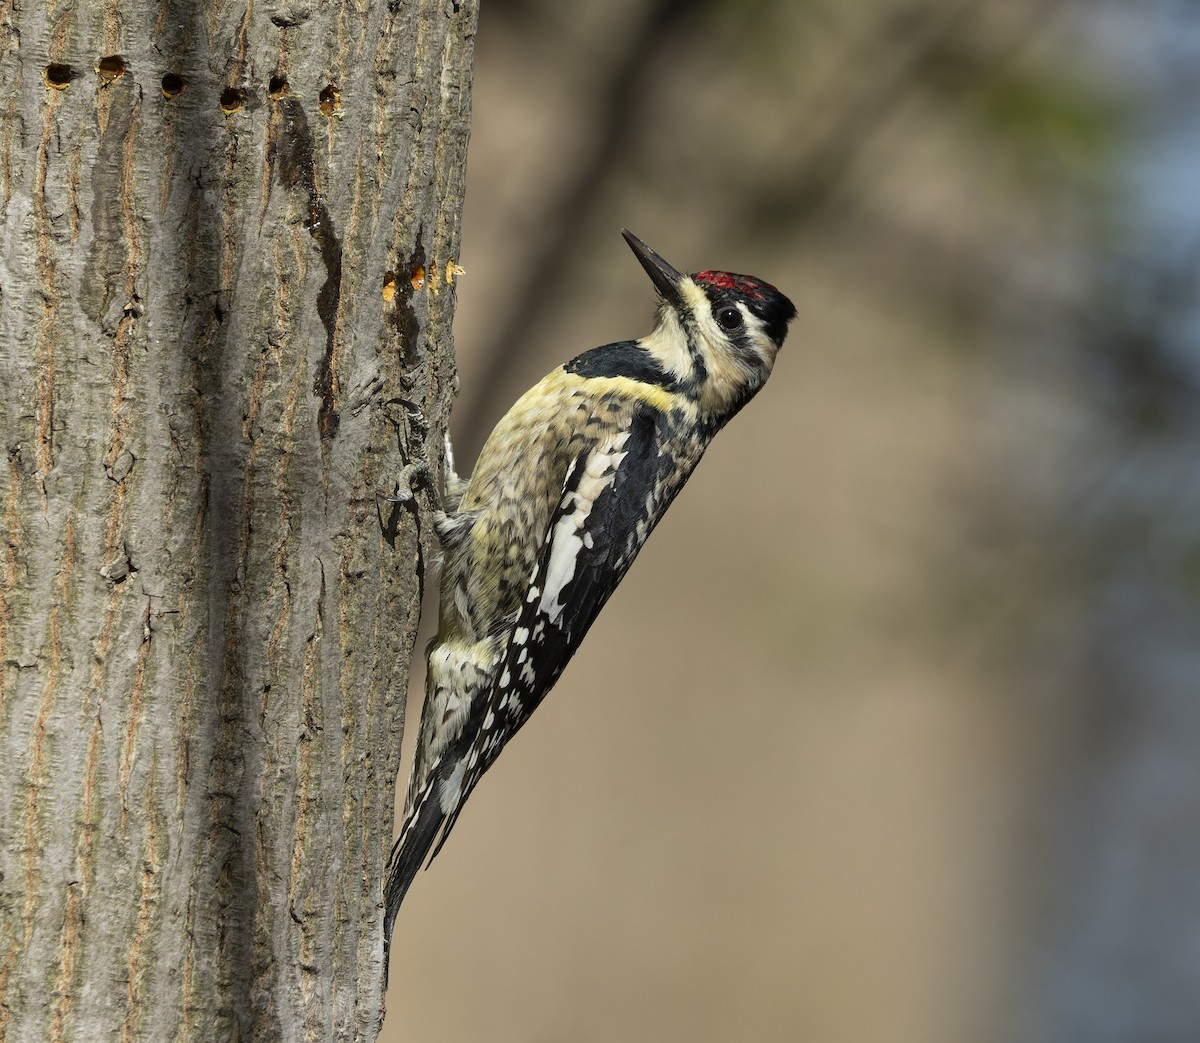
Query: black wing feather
point(539, 648)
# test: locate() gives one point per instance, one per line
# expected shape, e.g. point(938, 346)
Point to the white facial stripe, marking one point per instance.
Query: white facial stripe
point(755, 336)
point(668, 344)
point(758, 334)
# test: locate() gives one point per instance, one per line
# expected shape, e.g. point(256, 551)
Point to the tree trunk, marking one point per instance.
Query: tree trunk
point(227, 244)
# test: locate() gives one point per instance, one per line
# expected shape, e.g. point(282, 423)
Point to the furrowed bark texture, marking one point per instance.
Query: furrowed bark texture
point(227, 235)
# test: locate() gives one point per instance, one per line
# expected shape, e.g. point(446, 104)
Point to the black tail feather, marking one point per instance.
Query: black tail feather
point(410, 851)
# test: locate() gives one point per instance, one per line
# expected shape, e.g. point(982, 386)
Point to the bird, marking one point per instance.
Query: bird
point(567, 488)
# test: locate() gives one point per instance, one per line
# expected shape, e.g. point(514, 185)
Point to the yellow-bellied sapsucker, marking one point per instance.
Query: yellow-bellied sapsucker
point(565, 492)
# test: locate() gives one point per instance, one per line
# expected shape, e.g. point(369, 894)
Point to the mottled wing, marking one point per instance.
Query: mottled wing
point(613, 496)
point(451, 681)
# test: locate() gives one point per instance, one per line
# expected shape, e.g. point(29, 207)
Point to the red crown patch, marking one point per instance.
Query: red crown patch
point(746, 285)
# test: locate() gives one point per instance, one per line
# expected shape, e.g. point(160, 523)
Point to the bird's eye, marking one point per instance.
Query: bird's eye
point(729, 318)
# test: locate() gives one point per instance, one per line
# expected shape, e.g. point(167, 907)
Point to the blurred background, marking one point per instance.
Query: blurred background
point(893, 732)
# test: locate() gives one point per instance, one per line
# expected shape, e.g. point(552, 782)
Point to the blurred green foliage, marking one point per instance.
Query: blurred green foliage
point(1043, 112)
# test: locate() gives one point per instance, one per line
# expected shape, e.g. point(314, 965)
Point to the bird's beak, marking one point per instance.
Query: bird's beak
point(666, 278)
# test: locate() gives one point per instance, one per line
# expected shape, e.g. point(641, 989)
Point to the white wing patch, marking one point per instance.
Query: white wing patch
point(570, 536)
point(448, 798)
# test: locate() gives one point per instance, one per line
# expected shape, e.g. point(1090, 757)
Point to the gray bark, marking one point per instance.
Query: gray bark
point(216, 350)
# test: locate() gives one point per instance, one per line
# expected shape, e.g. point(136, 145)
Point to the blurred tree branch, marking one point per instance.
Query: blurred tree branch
point(616, 125)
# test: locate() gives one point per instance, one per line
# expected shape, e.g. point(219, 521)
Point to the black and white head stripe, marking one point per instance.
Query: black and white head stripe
point(728, 289)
